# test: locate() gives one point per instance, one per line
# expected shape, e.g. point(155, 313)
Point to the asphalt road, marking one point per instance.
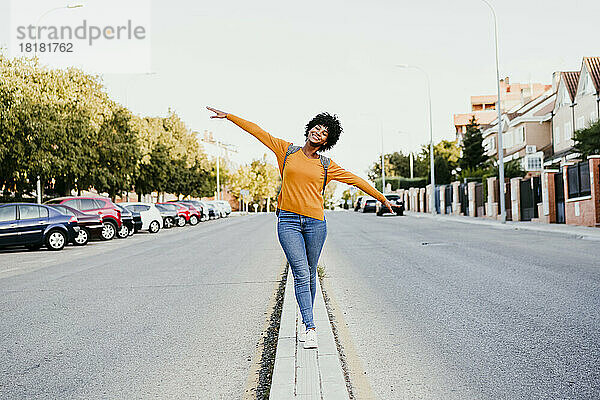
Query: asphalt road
point(172, 315)
point(448, 310)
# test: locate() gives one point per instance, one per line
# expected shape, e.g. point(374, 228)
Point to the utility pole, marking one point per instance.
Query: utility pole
point(209, 138)
point(382, 160)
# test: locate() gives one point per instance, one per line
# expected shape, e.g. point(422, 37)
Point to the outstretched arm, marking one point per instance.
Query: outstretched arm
point(278, 146)
point(338, 173)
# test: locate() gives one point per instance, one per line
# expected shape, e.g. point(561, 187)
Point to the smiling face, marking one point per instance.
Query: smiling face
point(317, 135)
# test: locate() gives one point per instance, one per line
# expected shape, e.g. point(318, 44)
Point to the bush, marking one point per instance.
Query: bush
point(400, 182)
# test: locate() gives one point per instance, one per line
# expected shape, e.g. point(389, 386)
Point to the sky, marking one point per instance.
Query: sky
point(278, 64)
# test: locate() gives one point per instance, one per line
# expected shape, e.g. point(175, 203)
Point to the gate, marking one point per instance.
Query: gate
point(537, 194)
point(449, 199)
point(527, 205)
point(479, 207)
point(559, 197)
point(437, 199)
point(463, 197)
point(507, 201)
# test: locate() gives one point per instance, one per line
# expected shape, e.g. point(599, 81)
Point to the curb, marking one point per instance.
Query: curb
point(580, 232)
point(306, 373)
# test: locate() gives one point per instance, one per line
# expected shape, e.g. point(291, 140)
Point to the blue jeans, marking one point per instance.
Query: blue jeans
point(302, 239)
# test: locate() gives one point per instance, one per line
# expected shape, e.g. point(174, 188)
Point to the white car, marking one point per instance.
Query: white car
point(226, 205)
point(152, 221)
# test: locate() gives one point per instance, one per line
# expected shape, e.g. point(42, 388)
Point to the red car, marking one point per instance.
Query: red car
point(102, 206)
point(192, 216)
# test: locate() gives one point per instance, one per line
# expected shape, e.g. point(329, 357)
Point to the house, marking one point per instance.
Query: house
point(587, 97)
point(563, 116)
point(527, 133)
point(483, 108)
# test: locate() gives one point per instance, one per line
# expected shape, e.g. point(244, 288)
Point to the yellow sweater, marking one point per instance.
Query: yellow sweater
point(303, 176)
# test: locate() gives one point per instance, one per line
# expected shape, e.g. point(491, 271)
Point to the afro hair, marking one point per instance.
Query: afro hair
point(334, 128)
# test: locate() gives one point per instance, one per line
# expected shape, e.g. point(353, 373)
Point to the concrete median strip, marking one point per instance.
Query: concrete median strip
point(306, 373)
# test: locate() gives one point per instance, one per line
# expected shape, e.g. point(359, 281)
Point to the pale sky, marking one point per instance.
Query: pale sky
point(278, 64)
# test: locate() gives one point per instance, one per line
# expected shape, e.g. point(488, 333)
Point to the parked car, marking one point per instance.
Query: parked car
point(169, 214)
point(218, 207)
point(200, 206)
point(127, 226)
point(226, 205)
point(396, 202)
point(151, 219)
point(35, 225)
point(102, 206)
point(90, 226)
point(183, 213)
point(358, 203)
point(195, 211)
point(213, 211)
point(368, 204)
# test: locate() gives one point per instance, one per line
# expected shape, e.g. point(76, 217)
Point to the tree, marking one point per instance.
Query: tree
point(260, 178)
point(330, 189)
point(473, 156)
point(587, 141)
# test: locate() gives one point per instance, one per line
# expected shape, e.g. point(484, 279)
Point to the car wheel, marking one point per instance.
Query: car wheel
point(168, 222)
point(109, 230)
point(181, 222)
point(56, 240)
point(193, 220)
point(82, 238)
point(154, 227)
point(123, 232)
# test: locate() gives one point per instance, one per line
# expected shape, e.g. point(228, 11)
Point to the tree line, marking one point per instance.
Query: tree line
point(61, 126)
point(452, 162)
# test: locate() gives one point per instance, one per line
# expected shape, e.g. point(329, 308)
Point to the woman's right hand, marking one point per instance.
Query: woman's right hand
point(220, 114)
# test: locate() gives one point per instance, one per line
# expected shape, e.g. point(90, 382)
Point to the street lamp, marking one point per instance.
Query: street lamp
point(500, 147)
point(431, 164)
point(70, 6)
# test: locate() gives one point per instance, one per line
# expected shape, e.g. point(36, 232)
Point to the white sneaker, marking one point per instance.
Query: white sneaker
point(311, 339)
point(301, 333)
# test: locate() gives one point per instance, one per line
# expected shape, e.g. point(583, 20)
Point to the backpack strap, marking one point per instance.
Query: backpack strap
point(290, 150)
point(325, 163)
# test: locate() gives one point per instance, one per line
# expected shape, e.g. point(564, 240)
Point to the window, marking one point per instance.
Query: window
point(73, 203)
point(32, 212)
point(143, 208)
point(88, 204)
point(568, 130)
point(556, 134)
point(507, 140)
point(519, 134)
point(533, 163)
point(8, 213)
point(63, 210)
point(578, 180)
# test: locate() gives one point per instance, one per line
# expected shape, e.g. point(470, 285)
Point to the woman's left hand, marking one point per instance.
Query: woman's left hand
point(389, 206)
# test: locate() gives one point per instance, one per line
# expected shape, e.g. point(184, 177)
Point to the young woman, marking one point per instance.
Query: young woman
point(301, 224)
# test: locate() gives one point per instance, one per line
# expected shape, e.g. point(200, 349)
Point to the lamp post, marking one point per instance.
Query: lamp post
point(35, 48)
point(500, 146)
point(382, 161)
point(68, 7)
point(431, 164)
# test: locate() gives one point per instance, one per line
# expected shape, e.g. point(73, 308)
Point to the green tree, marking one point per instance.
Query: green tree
point(587, 141)
point(260, 178)
point(473, 156)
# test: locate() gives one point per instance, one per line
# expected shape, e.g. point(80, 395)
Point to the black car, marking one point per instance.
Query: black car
point(358, 203)
point(90, 226)
point(396, 202)
point(128, 225)
point(368, 204)
point(169, 214)
point(35, 225)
